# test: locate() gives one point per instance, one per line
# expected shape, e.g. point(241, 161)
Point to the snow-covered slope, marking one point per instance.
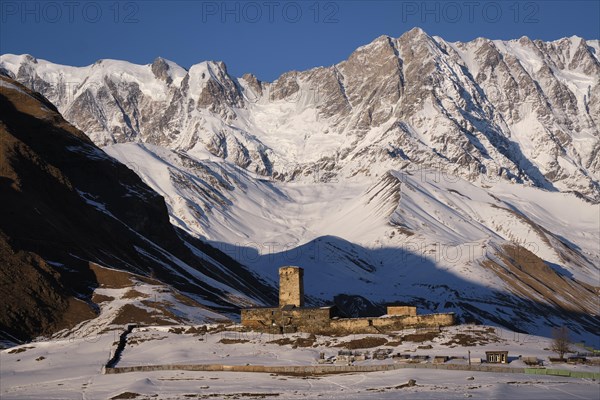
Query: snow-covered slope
point(418, 236)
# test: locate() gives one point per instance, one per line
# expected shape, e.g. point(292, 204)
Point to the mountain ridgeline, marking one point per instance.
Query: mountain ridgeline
point(522, 110)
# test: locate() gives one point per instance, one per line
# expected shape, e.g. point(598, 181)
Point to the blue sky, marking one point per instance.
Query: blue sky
point(268, 37)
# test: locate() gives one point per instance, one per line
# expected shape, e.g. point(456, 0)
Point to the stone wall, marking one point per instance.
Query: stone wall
point(352, 325)
point(311, 319)
point(284, 318)
point(402, 310)
point(327, 369)
point(318, 320)
point(291, 286)
point(278, 320)
point(335, 369)
point(260, 319)
point(425, 320)
point(389, 323)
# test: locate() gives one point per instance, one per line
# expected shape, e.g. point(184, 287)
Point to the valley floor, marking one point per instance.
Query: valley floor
point(72, 368)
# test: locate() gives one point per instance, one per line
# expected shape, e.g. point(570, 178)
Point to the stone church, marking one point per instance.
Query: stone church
point(293, 316)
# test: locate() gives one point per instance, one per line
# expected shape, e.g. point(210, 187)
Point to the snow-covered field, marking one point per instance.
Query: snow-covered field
point(72, 368)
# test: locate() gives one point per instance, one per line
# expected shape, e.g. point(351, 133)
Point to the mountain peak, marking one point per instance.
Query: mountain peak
point(160, 69)
point(382, 38)
point(30, 58)
point(415, 33)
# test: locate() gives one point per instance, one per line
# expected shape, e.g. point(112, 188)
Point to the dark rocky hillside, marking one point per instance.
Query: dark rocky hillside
point(65, 204)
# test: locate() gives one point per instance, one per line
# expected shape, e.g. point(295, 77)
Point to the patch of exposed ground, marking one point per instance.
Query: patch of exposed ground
point(410, 383)
point(137, 340)
point(100, 298)
point(192, 330)
point(297, 342)
point(363, 343)
point(77, 311)
point(110, 278)
point(232, 341)
point(126, 395)
point(197, 330)
point(162, 308)
point(420, 337)
point(529, 277)
point(132, 314)
point(20, 349)
point(473, 337)
point(134, 294)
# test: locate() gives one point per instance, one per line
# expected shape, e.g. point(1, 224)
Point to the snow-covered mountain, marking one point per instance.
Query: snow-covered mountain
point(460, 176)
point(525, 110)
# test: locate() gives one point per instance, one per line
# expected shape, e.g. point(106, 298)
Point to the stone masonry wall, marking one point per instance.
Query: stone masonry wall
point(390, 323)
point(402, 310)
point(343, 369)
point(291, 286)
point(276, 319)
point(318, 320)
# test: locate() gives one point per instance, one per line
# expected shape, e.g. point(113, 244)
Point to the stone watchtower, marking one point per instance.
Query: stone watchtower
point(291, 286)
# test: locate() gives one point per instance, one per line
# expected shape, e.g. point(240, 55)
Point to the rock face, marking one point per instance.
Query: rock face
point(65, 205)
point(160, 69)
point(524, 110)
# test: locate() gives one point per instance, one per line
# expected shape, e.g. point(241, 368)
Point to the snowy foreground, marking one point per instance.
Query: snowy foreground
point(72, 368)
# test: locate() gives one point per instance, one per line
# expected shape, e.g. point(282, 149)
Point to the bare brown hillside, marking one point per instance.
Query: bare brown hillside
point(64, 204)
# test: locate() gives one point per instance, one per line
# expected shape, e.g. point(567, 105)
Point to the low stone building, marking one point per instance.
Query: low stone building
point(293, 316)
point(497, 356)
